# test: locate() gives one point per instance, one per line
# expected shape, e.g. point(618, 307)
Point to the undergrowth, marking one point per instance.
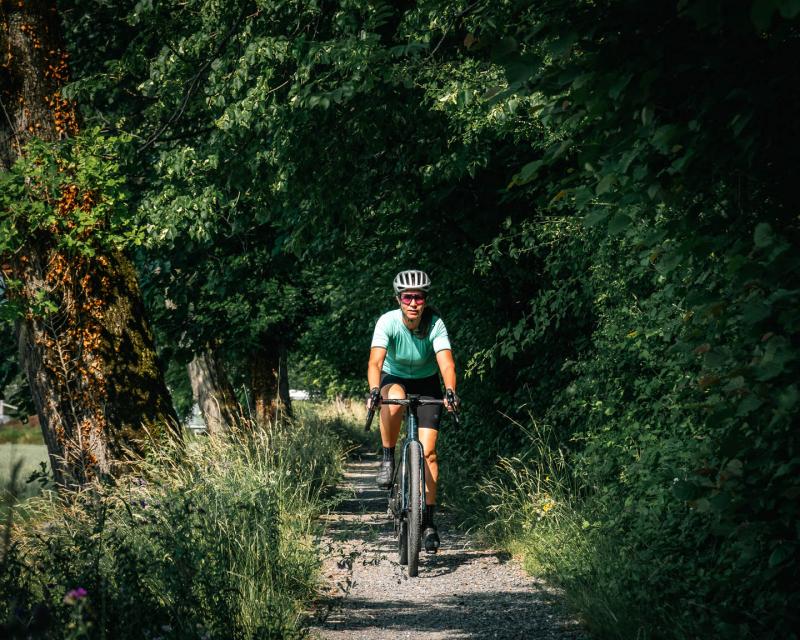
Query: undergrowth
point(212, 539)
point(617, 562)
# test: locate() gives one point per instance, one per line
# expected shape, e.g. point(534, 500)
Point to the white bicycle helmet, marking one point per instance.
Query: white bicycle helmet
point(412, 279)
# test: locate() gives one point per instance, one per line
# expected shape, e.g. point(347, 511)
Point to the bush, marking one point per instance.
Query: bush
point(213, 540)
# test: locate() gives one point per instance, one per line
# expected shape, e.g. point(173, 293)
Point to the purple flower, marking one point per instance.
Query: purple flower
point(73, 595)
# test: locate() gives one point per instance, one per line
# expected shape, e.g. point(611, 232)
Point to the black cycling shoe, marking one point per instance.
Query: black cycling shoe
point(430, 539)
point(385, 474)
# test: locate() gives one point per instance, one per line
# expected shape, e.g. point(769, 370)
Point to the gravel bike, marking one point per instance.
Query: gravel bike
point(407, 493)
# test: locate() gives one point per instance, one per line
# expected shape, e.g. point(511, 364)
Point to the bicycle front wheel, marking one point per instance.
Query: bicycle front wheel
point(400, 524)
point(415, 507)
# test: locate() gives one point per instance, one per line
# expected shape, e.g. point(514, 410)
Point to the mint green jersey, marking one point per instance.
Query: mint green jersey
point(407, 355)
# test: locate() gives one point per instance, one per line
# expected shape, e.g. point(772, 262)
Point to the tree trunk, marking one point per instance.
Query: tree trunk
point(95, 379)
point(213, 392)
point(269, 382)
point(284, 401)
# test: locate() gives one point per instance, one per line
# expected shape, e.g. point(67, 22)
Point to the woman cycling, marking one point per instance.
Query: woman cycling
point(409, 345)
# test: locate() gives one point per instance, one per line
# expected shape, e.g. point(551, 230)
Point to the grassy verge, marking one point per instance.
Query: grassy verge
point(16, 432)
point(212, 540)
point(528, 505)
point(622, 570)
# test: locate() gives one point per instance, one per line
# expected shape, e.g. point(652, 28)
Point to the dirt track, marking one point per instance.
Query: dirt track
point(462, 592)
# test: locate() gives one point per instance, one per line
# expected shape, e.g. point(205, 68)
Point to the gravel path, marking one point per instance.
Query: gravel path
point(461, 592)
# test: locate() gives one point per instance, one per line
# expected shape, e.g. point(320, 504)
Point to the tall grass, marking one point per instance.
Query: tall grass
point(213, 539)
point(537, 510)
point(541, 511)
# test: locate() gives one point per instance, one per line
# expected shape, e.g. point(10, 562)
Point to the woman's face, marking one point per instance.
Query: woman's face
point(412, 302)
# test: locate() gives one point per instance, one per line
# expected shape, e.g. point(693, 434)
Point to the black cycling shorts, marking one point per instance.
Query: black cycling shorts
point(429, 414)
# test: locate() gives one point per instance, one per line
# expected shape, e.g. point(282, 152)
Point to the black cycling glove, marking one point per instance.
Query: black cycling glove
point(374, 398)
point(452, 400)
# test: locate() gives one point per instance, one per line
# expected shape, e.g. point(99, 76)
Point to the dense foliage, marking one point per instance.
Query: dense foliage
point(602, 193)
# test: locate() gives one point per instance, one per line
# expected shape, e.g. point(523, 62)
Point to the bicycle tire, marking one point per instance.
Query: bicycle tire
point(402, 542)
point(414, 529)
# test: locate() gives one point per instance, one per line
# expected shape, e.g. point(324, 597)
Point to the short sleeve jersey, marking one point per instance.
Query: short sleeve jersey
point(409, 356)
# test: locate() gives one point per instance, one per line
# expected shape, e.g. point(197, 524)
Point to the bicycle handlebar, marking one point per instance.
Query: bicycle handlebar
point(406, 402)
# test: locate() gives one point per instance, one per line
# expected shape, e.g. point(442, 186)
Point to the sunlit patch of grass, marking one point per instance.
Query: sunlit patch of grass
point(346, 418)
point(26, 459)
point(18, 433)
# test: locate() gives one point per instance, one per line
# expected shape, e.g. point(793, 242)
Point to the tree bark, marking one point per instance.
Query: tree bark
point(213, 392)
point(96, 382)
point(269, 381)
point(284, 400)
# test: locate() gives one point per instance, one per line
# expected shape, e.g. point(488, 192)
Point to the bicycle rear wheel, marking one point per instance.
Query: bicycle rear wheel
point(414, 520)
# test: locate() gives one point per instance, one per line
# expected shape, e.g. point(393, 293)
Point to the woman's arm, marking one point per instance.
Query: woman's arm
point(376, 357)
point(447, 368)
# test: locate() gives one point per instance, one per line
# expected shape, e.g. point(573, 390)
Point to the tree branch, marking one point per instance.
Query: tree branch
point(193, 84)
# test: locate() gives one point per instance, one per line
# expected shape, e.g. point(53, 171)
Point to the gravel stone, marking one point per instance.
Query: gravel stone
point(462, 592)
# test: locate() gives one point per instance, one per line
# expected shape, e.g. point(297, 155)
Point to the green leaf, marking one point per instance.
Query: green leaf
point(606, 184)
point(781, 553)
point(748, 405)
point(518, 69)
point(720, 502)
point(504, 48)
point(665, 136)
point(596, 217)
point(684, 490)
point(763, 235)
point(734, 384)
point(583, 195)
point(755, 312)
point(528, 172)
point(713, 360)
point(788, 398)
point(618, 223)
point(562, 45)
point(618, 87)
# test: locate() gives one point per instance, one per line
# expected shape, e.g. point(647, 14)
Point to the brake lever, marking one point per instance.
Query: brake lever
point(451, 399)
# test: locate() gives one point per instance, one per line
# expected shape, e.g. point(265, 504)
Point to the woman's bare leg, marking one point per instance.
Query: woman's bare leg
point(428, 439)
point(391, 415)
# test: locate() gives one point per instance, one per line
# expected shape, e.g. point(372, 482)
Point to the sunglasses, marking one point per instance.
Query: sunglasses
point(408, 298)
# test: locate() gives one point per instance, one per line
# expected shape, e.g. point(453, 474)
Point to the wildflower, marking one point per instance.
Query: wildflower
point(74, 595)
point(548, 505)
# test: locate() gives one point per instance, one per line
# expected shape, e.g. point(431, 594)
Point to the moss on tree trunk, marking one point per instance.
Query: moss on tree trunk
point(89, 355)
